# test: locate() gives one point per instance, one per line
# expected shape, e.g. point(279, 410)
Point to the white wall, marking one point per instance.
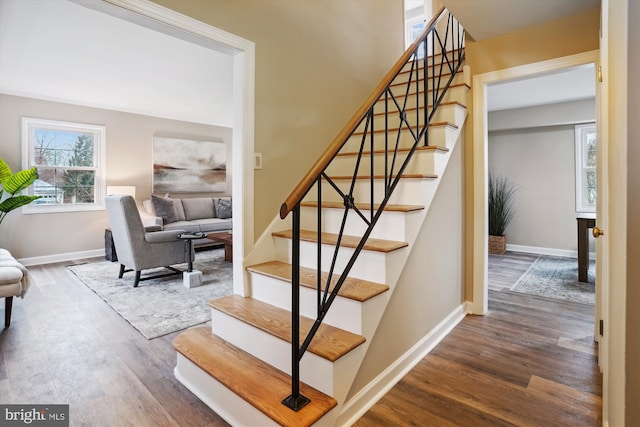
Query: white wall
point(540, 160)
point(61, 51)
point(129, 162)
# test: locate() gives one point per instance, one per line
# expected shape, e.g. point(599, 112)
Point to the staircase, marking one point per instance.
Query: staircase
point(345, 247)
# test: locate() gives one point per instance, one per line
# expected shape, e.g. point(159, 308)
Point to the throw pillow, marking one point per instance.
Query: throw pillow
point(165, 209)
point(198, 208)
point(224, 208)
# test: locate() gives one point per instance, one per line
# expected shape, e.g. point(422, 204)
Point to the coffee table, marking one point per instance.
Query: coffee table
point(226, 238)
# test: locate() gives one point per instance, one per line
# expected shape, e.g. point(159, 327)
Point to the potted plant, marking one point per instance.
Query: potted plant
point(12, 184)
point(501, 195)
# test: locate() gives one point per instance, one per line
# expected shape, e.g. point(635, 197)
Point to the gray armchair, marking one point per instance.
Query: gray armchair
point(139, 249)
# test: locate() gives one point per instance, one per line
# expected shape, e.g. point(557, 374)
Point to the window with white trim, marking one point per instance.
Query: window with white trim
point(70, 158)
point(586, 149)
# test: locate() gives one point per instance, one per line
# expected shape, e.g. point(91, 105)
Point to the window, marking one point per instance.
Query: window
point(71, 163)
point(586, 149)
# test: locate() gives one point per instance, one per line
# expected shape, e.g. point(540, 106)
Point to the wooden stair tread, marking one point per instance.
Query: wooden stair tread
point(255, 381)
point(406, 175)
point(458, 103)
point(365, 206)
point(378, 245)
point(330, 343)
point(430, 90)
point(352, 288)
point(436, 124)
point(390, 152)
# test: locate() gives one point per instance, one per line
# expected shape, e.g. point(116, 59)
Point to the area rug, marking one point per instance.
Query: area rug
point(162, 305)
point(557, 277)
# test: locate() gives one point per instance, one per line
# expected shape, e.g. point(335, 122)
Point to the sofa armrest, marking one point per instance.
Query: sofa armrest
point(150, 228)
point(149, 220)
point(162, 236)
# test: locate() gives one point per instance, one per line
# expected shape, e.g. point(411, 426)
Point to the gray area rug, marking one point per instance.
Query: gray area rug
point(163, 305)
point(557, 277)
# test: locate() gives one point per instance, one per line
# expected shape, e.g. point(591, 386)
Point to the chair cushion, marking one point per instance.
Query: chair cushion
point(183, 225)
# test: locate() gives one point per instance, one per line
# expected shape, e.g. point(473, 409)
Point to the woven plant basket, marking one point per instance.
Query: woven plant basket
point(497, 244)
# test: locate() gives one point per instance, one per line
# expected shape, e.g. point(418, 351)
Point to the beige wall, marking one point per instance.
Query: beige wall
point(316, 61)
point(541, 163)
point(555, 39)
point(425, 293)
point(129, 162)
point(538, 155)
point(632, 416)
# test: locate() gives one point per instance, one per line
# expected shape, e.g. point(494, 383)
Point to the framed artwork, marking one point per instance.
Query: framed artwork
point(586, 149)
point(189, 166)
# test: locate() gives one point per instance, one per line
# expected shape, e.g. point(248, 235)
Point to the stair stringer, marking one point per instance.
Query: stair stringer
point(357, 403)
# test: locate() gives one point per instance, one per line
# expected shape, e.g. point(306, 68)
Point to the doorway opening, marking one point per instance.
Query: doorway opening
point(481, 85)
point(542, 153)
point(242, 52)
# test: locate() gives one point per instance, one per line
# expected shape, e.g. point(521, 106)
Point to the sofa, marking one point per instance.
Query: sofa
point(197, 214)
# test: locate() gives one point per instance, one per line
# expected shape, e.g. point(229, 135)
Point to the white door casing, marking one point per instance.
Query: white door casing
point(479, 303)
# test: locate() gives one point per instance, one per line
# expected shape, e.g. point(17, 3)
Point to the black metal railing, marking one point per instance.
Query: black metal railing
point(391, 124)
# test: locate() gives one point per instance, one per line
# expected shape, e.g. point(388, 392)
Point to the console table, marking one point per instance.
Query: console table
point(584, 224)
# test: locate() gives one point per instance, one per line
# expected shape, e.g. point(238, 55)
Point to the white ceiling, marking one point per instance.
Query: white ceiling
point(62, 51)
point(565, 85)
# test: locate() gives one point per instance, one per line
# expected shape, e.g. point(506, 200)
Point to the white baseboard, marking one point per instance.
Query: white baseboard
point(356, 407)
point(547, 251)
point(50, 259)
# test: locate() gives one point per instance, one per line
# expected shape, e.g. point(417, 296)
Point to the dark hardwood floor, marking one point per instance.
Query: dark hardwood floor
point(529, 362)
point(65, 345)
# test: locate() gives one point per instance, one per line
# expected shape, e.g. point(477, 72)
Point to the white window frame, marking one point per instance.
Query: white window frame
point(582, 132)
point(410, 25)
point(29, 126)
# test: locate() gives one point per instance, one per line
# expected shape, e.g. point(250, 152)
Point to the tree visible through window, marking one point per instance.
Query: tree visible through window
point(69, 158)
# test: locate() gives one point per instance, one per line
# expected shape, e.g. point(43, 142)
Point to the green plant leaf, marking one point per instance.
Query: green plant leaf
point(5, 171)
point(20, 180)
point(501, 193)
point(15, 202)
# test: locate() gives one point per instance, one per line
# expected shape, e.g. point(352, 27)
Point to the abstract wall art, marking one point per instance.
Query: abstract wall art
point(189, 166)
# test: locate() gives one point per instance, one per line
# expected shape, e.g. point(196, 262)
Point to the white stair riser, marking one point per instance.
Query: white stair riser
point(437, 135)
point(234, 409)
point(370, 265)
point(421, 162)
point(404, 77)
point(454, 94)
point(314, 370)
point(452, 113)
point(358, 317)
point(332, 378)
point(390, 226)
point(409, 191)
point(344, 313)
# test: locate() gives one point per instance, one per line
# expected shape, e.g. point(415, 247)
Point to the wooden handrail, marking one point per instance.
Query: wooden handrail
point(309, 179)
